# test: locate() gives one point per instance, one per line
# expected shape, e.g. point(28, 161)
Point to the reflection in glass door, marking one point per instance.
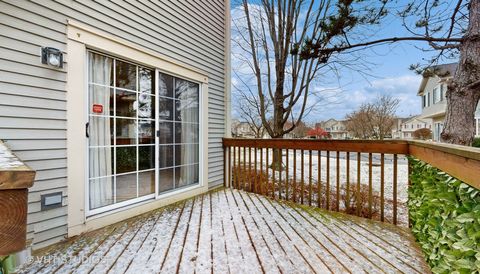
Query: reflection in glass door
point(178, 133)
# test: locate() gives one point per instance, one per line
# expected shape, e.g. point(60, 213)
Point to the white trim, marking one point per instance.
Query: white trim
point(81, 38)
point(477, 126)
point(228, 73)
point(108, 44)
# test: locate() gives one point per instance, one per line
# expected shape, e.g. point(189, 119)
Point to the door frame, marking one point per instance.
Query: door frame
point(80, 38)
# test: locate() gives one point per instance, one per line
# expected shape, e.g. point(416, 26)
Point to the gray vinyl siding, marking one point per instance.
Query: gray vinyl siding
point(33, 96)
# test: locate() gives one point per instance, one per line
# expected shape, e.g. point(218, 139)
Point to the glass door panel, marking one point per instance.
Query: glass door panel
point(178, 133)
point(121, 107)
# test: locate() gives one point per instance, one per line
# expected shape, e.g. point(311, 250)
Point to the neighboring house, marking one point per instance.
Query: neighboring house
point(411, 125)
point(397, 128)
point(242, 129)
point(131, 119)
point(335, 128)
point(433, 90)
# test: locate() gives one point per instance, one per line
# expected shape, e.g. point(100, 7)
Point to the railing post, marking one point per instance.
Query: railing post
point(15, 179)
point(225, 166)
point(395, 189)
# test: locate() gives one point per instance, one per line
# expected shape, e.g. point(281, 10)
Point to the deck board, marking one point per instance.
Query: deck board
point(231, 231)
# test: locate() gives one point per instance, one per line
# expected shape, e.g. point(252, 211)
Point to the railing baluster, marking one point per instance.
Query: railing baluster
point(261, 172)
point(225, 166)
point(382, 187)
point(255, 170)
point(294, 175)
point(302, 179)
point(286, 177)
point(319, 180)
point(347, 157)
point(310, 178)
point(265, 191)
point(327, 191)
point(370, 185)
point(359, 159)
point(240, 173)
point(245, 176)
point(280, 174)
point(234, 176)
point(408, 187)
point(274, 169)
point(251, 178)
point(229, 167)
point(338, 181)
point(395, 189)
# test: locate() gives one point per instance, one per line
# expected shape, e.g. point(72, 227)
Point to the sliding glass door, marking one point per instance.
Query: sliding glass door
point(143, 132)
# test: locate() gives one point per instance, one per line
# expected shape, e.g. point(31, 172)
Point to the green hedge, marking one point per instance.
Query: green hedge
point(476, 142)
point(445, 219)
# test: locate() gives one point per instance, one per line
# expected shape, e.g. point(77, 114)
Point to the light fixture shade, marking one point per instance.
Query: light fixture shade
point(52, 57)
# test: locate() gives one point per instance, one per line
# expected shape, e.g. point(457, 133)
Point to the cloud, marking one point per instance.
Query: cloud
point(402, 87)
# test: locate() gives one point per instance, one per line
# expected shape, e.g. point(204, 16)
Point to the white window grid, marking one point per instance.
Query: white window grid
point(137, 119)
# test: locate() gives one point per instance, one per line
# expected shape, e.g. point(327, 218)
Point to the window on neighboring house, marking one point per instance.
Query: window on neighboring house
point(442, 92)
point(436, 95)
point(424, 101)
point(429, 98)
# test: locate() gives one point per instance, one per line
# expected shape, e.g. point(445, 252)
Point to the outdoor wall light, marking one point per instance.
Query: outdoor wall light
point(52, 57)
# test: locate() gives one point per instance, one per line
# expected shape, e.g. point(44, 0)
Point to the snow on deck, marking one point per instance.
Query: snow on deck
point(231, 231)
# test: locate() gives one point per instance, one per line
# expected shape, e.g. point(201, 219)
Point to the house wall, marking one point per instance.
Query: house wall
point(33, 96)
point(433, 109)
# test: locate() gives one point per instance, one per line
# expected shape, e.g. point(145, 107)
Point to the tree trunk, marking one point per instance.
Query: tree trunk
point(278, 134)
point(463, 92)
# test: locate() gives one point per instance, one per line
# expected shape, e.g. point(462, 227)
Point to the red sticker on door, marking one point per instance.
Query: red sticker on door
point(97, 108)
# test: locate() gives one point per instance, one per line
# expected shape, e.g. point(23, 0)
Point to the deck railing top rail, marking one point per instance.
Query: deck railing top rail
point(366, 146)
point(460, 162)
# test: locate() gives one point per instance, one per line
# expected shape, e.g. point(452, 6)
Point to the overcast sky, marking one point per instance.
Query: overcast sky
point(389, 74)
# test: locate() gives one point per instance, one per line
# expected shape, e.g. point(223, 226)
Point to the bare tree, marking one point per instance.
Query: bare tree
point(359, 122)
point(373, 120)
point(246, 106)
point(450, 27)
point(269, 35)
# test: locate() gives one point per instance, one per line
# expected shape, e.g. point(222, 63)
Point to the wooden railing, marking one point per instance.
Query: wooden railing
point(361, 177)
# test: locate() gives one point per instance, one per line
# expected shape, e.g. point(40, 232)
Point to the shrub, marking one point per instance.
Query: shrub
point(422, 134)
point(476, 142)
point(445, 219)
point(249, 179)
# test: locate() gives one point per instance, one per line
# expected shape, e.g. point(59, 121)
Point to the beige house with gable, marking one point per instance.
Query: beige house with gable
point(433, 90)
point(336, 128)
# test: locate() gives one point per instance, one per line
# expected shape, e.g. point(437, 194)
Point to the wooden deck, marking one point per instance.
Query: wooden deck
point(230, 231)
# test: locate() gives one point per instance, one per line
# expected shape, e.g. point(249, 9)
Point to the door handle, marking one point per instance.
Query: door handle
point(87, 130)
